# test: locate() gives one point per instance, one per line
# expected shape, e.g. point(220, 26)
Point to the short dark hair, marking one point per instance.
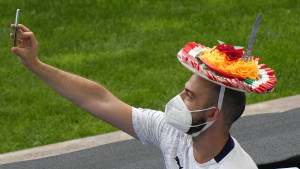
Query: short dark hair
point(233, 103)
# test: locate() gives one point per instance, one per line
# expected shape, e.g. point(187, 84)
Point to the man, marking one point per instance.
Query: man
point(192, 133)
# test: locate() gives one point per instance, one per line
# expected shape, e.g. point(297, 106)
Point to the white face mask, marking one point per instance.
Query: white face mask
point(180, 117)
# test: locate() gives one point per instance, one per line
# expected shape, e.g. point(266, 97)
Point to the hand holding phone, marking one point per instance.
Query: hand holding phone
point(27, 49)
point(16, 27)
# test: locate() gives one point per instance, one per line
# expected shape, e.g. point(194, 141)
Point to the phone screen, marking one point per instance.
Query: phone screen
point(16, 27)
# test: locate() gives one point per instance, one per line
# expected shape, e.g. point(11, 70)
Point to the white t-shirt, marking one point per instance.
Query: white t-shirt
point(176, 146)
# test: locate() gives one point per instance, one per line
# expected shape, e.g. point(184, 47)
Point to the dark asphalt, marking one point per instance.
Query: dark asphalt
point(272, 140)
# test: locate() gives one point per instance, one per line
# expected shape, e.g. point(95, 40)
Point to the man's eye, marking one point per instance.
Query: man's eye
point(189, 96)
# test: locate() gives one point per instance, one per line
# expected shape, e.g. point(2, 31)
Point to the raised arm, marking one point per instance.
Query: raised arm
point(85, 93)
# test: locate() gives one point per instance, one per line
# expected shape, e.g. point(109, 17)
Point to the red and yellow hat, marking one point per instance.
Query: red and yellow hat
point(223, 65)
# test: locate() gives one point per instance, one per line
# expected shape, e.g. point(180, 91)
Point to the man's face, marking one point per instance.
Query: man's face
point(195, 96)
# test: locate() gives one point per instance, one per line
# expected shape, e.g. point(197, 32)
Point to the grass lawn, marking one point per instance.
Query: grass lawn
point(130, 48)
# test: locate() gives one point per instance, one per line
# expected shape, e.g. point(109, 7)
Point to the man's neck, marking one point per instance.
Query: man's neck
point(208, 145)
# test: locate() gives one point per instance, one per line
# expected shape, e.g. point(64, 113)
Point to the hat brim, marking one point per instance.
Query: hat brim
point(188, 57)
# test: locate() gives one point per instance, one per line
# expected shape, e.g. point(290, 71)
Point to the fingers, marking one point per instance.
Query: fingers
point(21, 30)
point(29, 36)
point(16, 50)
point(24, 34)
point(20, 33)
point(20, 26)
point(12, 36)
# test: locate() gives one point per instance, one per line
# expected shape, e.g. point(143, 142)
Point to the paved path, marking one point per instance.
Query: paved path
point(269, 137)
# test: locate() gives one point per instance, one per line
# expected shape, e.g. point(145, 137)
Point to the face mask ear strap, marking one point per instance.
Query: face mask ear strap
point(209, 123)
point(221, 96)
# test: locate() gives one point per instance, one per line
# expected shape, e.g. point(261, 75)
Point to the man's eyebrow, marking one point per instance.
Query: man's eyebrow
point(189, 91)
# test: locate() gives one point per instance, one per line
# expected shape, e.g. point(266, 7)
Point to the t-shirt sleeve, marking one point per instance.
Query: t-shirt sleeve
point(148, 125)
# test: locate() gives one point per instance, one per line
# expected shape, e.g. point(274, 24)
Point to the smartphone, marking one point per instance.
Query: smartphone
point(16, 27)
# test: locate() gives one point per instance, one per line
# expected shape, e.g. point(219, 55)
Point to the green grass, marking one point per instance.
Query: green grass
point(129, 47)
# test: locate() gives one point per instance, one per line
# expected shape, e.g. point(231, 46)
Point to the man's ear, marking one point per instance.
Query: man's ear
point(213, 114)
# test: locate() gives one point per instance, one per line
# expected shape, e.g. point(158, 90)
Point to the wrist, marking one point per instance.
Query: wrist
point(34, 65)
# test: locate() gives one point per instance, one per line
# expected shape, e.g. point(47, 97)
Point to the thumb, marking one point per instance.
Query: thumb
point(16, 50)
